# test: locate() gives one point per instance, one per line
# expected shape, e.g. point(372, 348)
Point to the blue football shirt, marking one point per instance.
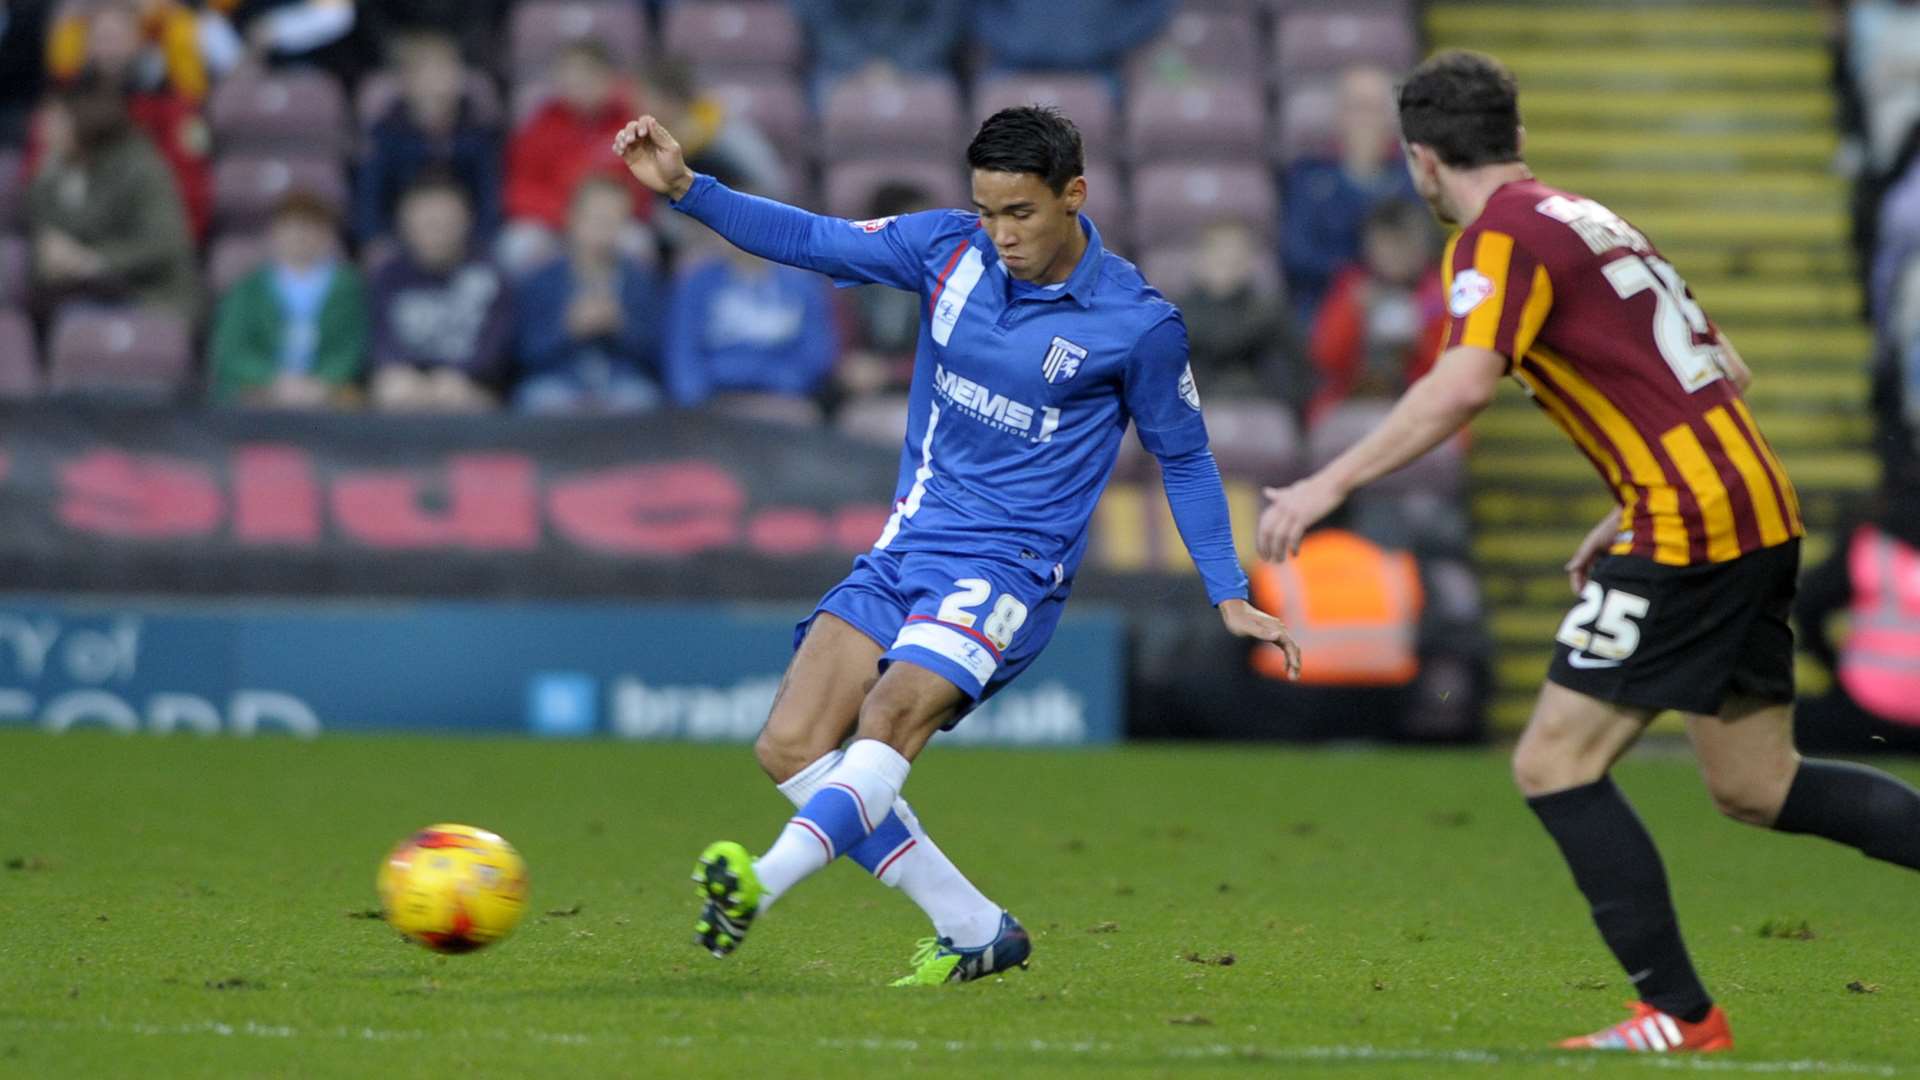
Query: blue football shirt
point(1021, 394)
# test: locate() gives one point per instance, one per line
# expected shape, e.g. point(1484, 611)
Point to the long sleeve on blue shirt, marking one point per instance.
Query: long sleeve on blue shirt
point(1199, 502)
point(851, 252)
point(1165, 405)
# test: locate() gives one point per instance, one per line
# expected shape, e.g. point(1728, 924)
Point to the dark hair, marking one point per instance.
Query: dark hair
point(437, 180)
point(96, 104)
point(897, 197)
point(1398, 215)
point(1465, 106)
point(307, 206)
point(1035, 139)
point(674, 77)
point(596, 182)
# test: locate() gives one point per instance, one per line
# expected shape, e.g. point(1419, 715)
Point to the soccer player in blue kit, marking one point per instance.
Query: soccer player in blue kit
point(1037, 348)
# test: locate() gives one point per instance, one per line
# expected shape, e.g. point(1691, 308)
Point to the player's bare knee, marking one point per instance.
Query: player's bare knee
point(783, 751)
point(1550, 759)
point(1749, 796)
point(1538, 771)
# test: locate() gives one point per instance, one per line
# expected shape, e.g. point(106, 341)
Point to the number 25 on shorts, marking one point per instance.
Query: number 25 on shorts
point(1602, 623)
point(1006, 618)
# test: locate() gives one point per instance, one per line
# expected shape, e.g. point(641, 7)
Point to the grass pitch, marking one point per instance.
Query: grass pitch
point(177, 907)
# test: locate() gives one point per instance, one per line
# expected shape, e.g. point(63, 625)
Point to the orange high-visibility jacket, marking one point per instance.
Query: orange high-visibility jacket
point(1352, 606)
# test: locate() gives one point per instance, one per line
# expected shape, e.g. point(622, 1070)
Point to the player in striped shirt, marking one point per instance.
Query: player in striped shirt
point(1684, 588)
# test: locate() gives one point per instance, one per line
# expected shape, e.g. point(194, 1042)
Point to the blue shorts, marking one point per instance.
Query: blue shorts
point(976, 621)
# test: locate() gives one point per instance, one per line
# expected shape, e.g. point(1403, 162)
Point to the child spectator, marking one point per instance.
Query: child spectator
point(564, 142)
point(1240, 337)
point(590, 323)
point(293, 334)
point(740, 325)
point(432, 126)
point(714, 139)
point(1383, 322)
point(441, 317)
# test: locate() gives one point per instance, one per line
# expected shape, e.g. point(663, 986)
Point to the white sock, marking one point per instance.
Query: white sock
point(800, 787)
point(873, 773)
point(960, 912)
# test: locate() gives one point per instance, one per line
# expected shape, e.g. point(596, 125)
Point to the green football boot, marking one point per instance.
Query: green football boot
point(937, 962)
point(725, 880)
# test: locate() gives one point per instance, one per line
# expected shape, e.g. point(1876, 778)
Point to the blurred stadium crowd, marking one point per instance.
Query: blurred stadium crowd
point(411, 205)
point(1877, 72)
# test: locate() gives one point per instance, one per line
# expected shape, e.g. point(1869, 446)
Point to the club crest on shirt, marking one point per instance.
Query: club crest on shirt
point(1189, 390)
point(1063, 360)
point(1470, 289)
point(873, 225)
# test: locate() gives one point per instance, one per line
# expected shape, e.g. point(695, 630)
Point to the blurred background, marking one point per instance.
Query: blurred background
point(351, 384)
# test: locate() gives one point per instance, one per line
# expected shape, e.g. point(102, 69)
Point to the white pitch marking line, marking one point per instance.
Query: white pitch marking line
point(1296, 1054)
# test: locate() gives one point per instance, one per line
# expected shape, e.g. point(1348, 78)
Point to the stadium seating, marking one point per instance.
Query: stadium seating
point(1442, 471)
point(1255, 440)
point(231, 257)
point(19, 359)
point(541, 28)
point(1087, 99)
point(118, 352)
point(777, 106)
point(13, 271)
point(910, 116)
point(13, 187)
point(246, 189)
point(1307, 122)
point(850, 186)
point(1201, 44)
point(1315, 42)
point(302, 110)
point(1201, 119)
point(1108, 206)
point(721, 36)
point(1170, 268)
point(1172, 201)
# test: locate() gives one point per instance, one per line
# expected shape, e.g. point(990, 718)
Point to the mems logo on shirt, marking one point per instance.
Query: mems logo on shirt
point(995, 410)
point(1470, 289)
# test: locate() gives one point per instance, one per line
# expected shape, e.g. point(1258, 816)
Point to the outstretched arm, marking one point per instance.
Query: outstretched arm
point(1166, 409)
point(885, 252)
point(1432, 409)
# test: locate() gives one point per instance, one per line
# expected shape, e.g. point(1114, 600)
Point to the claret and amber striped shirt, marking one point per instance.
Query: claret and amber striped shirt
point(1608, 339)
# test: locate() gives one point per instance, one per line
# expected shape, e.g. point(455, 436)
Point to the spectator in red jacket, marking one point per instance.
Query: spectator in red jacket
point(565, 141)
point(1382, 323)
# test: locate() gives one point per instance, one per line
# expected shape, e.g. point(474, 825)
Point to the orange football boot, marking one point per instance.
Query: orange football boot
point(1649, 1030)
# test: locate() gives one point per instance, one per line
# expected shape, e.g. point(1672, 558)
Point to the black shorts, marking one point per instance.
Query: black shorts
point(1682, 637)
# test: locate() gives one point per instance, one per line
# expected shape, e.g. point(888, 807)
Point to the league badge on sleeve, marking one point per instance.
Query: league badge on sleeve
point(1470, 289)
point(1063, 360)
point(1189, 390)
point(873, 225)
